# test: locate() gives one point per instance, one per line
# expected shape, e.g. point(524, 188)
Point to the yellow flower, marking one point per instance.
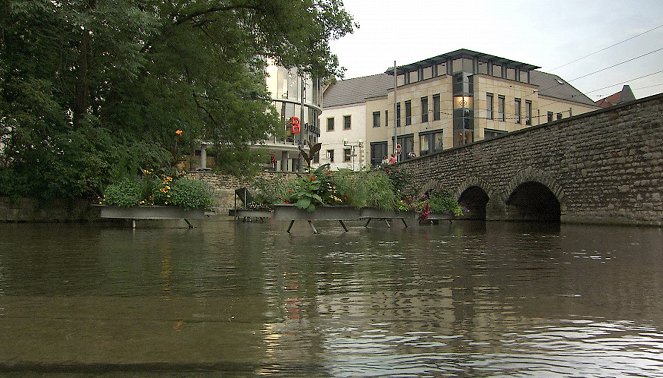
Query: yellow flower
point(179, 132)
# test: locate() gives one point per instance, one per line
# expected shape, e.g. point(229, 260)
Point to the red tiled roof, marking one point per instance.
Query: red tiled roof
point(617, 98)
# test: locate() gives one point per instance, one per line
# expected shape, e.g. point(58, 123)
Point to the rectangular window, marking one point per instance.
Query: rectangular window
point(347, 122)
point(398, 114)
point(490, 133)
point(347, 155)
point(516, 105)
point(430, 142)
point(489, 105)
point(386, 118)
point(436, 107)
point(438, 142)
point(408, 112)
point(424, 144)
point(550, 116)
point(500, 108)
point(424, 109)
point(559, 116)
point(407, 147)
point(330, 155)
point(378, 153)
point(376, 119)
point(528, 112)
point(330, 124)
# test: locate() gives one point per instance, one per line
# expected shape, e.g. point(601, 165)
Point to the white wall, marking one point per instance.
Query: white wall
point(333, 140)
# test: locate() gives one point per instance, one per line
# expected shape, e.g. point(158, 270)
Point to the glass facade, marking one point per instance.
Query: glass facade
point(294, 94)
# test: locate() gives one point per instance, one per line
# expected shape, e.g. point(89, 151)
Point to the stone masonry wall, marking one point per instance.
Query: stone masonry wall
point(603, 167)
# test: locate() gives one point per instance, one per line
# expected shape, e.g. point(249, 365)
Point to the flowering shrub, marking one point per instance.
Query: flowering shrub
point(190, 194)
point(151, 189)
point(384, 189)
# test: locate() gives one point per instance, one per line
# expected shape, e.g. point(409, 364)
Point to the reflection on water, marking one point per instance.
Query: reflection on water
point(246, 298)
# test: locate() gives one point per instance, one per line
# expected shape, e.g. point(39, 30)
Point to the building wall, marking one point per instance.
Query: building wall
point(511, 90)
point(603, 167)
point(463, 116)
point(333, 140)
point(442, 85)
point(560, 107)
point(414, 92)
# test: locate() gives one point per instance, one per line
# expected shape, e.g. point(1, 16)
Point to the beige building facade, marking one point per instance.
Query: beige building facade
point(448, 101)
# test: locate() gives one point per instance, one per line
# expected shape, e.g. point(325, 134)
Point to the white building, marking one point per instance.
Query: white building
point(343, 121)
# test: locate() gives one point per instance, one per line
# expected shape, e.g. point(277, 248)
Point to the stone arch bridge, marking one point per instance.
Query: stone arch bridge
point(600, 167)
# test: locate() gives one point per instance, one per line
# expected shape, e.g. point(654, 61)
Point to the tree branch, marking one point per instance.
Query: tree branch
point(204, 12)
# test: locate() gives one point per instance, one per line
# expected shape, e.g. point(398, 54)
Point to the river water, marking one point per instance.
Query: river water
point(243, 299)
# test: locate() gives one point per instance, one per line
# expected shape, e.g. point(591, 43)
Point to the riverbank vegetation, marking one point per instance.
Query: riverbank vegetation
point(383, 188)
point(92, 92)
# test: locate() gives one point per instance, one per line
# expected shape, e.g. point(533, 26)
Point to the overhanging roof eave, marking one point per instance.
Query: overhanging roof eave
point(462, 53)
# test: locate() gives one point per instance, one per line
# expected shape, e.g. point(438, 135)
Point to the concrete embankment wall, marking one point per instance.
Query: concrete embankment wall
point(30, 210)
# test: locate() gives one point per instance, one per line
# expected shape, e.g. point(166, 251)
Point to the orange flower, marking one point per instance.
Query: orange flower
point(179, 132)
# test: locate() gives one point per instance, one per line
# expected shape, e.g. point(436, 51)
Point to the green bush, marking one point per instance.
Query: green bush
point(444, 202)
point(380, 191)
point(124, 193)
point(152, 189)
point(349, 188)
point(190, 194)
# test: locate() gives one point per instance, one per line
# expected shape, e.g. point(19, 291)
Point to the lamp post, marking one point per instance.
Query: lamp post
point(352, 145)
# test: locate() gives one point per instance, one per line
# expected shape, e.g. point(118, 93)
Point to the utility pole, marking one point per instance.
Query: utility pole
point(395, 143)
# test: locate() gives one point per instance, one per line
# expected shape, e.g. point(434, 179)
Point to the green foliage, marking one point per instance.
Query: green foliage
point(346, 188)
point(240, 162)
point(324, 187)
point(92, 91)
point(306, 192)
point(400, 179)
point(124, 193)
point(443, 202)
point(191, 194)
point(380, 190)
point(153, 189)
point(366, 189)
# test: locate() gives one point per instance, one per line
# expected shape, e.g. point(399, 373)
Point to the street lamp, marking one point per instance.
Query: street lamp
point(352, 145)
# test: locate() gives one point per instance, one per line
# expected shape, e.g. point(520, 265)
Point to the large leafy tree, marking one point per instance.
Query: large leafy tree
point(94, 89)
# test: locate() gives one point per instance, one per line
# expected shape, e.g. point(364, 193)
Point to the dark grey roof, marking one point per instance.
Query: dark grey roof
point(357, 90)
point(554, 86)
point(461, 53)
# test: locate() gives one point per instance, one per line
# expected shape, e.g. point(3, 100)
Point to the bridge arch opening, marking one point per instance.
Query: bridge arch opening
point(533, 201)
point(473, 201)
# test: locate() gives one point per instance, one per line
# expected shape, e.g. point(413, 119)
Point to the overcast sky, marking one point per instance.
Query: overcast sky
point(549, 34)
